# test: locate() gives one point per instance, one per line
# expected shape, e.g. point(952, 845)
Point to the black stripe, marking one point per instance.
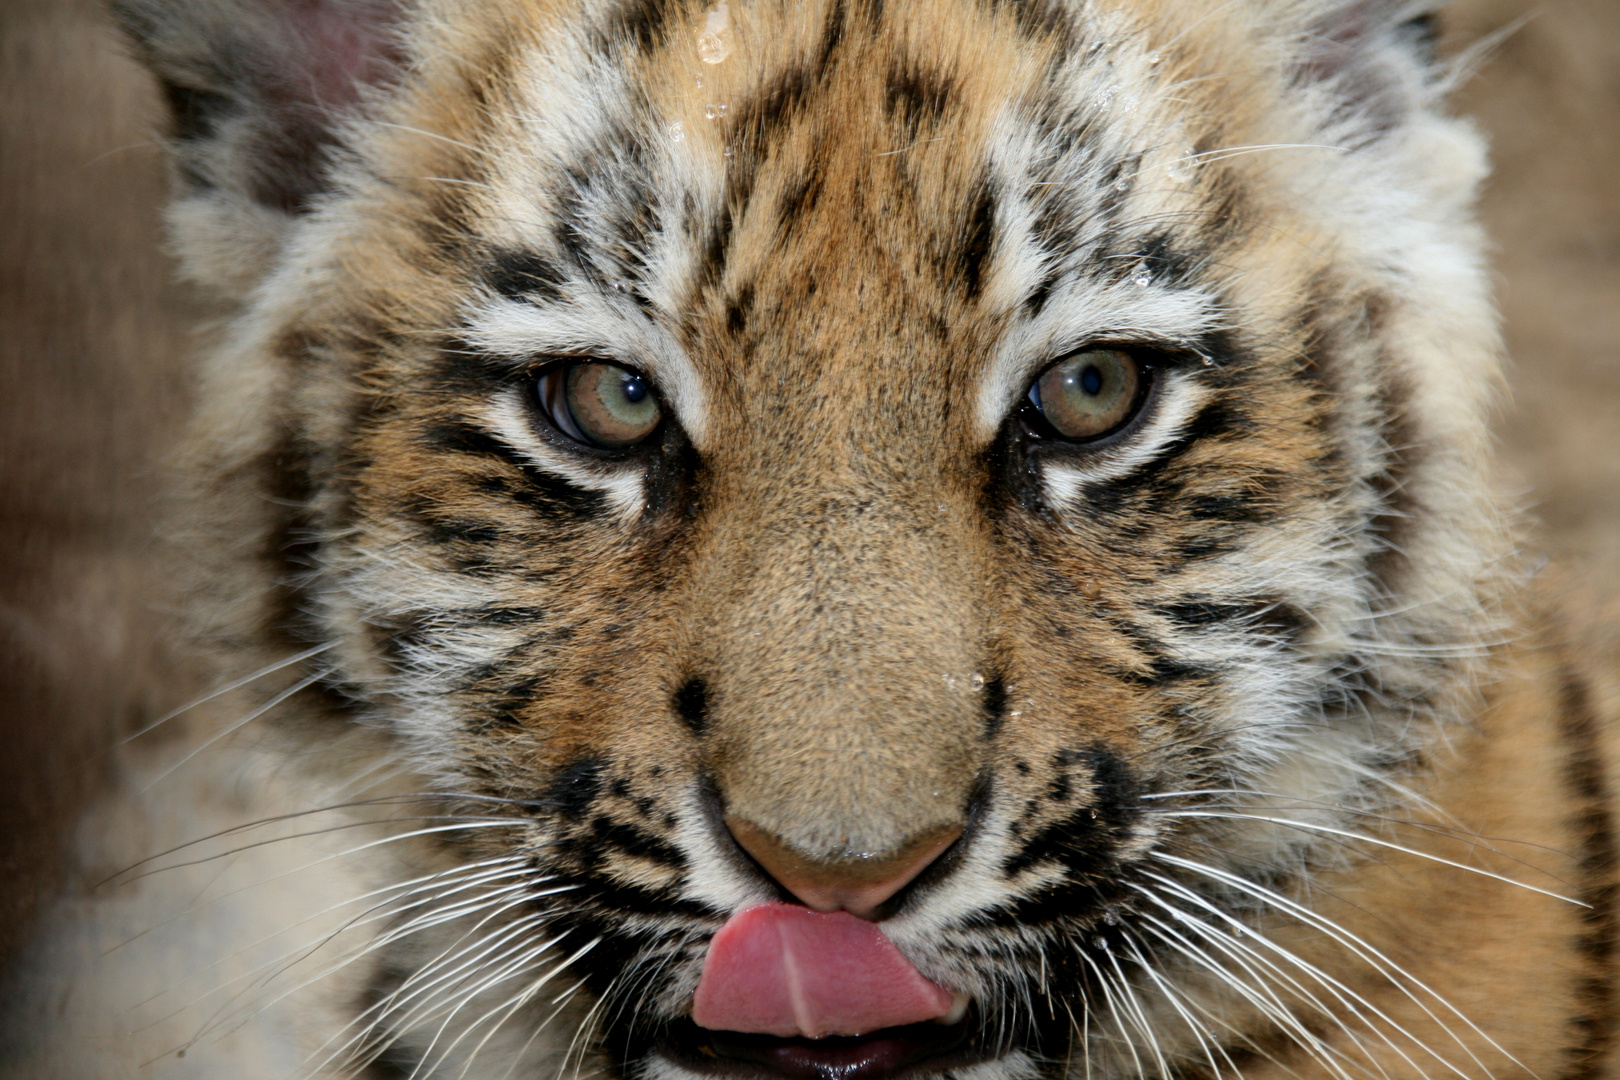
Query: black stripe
point(575, 786)
point(1398, 509)
point(521, 275)
point(1041, 19)
point(1594, 829)
point(292, 546)
point(1271, 616)
point(995, 705)
point(545, 494)
point(636, 842)
point(917, 98)
point(641, 23)
point(978, 238)
point(692, 704)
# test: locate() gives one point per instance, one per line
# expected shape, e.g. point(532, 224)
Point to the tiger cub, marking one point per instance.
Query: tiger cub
point(842, 540)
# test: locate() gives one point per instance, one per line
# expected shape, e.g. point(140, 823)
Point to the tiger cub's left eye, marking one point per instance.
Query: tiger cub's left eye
point(600, 403)
point(1089, 394)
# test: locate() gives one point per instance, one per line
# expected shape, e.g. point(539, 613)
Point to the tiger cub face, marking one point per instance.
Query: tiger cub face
point(801, 467)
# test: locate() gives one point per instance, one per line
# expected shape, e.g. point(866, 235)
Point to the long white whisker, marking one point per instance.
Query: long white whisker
point(1261, 992)
point(1261, 997)
point(463, 824)
point(1199, 1029)
point(1143, 1024)
point(1354, 1003)
point(236, 684)
point(1358, 946)
point(560, 1002)
point(516, 1002)
point(448, 1004)
point(383, 909)
point(1362, 837)
point(301, 684)
point(1116, 1012)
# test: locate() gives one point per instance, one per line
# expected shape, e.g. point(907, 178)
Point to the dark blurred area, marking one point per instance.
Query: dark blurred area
point(96, 339)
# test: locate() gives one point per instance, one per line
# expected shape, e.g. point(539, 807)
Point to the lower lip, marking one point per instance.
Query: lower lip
point(881, 1055)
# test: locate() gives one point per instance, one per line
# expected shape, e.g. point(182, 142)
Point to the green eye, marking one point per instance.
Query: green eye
point(1089, 394)
point(600, 403)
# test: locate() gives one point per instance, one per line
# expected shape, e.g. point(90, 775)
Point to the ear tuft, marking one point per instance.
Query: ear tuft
point(257, 91)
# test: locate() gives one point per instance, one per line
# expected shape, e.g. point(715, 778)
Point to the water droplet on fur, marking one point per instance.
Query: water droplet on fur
point(727, 152)
point(1100, 942)
point(1154, 59)
point(677, 131)
point(1143, 277)
point(978, 681)
point(621, 285)
point(1093, 813)
point(700, 80)
point(1110, 918)
point(1123, 184)
point(1181, 169)
point(1106, 96)
point(714, 40)
point(1207, 361)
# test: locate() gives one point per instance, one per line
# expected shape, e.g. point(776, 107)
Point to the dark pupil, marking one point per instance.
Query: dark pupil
point(1091, 379)
point(635, 388)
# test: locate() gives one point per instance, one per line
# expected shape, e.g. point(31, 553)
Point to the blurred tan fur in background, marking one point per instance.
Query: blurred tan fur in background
point(95, 341)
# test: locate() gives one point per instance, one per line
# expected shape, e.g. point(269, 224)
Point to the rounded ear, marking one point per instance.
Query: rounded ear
point(1378, 57)
point(257, 90)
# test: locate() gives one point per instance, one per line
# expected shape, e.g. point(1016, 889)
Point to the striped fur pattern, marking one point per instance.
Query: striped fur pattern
point(1225, 704)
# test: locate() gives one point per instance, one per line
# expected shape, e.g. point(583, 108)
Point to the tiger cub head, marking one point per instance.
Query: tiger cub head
point(864, 496)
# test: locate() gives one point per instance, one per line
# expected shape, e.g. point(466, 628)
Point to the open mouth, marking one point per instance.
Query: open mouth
point(885, 1054)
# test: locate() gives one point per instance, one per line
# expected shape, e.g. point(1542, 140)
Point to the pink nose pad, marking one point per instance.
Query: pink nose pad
point(858, 884)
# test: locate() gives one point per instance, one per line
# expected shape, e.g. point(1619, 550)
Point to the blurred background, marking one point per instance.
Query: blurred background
point(95, 338)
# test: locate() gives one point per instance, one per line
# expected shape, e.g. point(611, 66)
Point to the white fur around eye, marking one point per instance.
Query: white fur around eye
point(1178, 401)
point(509, 418)
point(588, 323)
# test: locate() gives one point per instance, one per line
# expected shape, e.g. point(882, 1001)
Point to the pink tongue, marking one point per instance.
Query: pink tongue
point(780, 969)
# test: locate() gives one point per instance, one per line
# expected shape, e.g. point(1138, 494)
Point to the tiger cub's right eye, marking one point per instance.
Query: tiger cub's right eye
point(1089, 394)
point(600, 403)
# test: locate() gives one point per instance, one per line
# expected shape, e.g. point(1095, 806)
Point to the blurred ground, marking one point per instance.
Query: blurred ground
point(1550, 101)
point(94, 337)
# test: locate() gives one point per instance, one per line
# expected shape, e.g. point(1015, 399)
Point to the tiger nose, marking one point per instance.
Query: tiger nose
point(858, 884)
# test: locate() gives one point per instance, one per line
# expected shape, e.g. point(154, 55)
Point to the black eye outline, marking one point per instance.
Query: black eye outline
point(548, 396)
point(1038, 428)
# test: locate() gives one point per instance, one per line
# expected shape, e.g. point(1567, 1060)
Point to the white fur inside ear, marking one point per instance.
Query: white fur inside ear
point(1178, 401)
point(622, 485)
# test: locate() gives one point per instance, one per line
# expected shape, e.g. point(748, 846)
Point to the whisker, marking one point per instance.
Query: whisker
point(1363, 838)
point(561, 1002)
point(1260, 997)
point(236, 684)
point(458, 825)
point(362, 918)
point(1356, 945)
point(300, 685)
point(499, 899)
point(1199, 1029)
point(516, 1002)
